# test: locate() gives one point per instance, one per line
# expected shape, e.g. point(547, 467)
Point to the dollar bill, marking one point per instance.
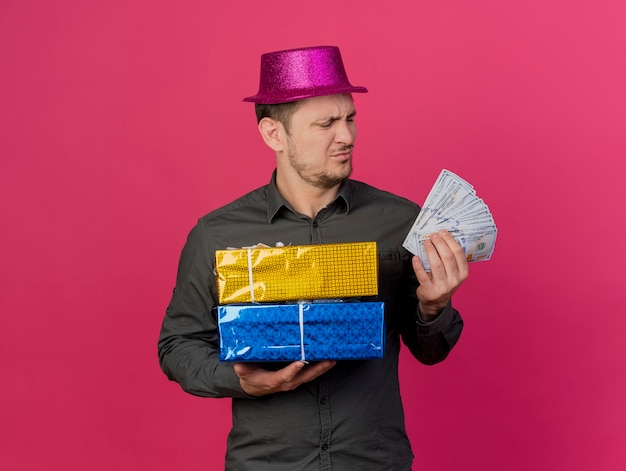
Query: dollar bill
point(452, 204)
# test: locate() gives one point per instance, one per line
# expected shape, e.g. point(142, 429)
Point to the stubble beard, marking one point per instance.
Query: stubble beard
point(323, 179)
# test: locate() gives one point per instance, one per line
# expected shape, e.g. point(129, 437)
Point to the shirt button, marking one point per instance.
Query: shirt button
point(314, 223)
point(323, 401)
point(325, 446)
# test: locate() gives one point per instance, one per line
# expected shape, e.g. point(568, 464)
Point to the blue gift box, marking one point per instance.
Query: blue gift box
point(303, 331)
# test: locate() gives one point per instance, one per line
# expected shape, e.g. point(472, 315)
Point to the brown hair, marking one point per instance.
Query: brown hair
point(280, 112)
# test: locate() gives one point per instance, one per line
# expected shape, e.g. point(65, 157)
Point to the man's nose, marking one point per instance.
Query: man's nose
point(346, 132)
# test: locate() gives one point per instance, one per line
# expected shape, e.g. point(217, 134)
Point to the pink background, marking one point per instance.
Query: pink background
point(121, 123)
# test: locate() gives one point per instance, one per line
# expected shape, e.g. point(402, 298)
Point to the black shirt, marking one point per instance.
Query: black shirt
point(350, 418)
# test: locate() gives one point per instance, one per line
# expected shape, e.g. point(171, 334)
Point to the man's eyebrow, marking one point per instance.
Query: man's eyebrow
point(330, 119)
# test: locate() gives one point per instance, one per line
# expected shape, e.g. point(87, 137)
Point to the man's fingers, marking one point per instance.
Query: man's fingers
point(448, 269)
point(312, 371)
point(257, 381)
point(446, 260)
point(457, 253)
point(289, 372)
point(297, 373)
point(446, 256)
point(420, 271)
point(434, 258)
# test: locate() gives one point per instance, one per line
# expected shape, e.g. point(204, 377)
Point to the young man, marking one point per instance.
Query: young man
point(327, 415)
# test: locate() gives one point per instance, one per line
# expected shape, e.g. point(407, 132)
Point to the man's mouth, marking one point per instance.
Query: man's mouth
point(343, 153)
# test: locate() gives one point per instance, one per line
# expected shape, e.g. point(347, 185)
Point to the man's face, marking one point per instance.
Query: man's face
point(320, 140)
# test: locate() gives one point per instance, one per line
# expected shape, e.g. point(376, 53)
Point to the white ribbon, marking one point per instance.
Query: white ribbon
point(250, 277)
point(301, 321)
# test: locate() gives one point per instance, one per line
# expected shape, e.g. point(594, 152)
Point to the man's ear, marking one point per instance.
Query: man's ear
point(273, 133)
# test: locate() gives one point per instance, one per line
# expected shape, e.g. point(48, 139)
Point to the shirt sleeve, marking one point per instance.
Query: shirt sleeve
point(429, 342)
point(188, 344)
point(436, 339)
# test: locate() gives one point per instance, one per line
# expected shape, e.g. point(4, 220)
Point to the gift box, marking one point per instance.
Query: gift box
point(300, 272)
point(303, 331)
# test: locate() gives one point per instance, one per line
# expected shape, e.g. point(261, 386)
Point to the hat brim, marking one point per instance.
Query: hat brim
point(300, 94)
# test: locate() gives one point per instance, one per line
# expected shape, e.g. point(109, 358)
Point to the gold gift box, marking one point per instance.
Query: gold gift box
point(299, 272)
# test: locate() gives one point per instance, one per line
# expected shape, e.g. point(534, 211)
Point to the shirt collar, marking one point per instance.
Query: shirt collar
point(275, 200)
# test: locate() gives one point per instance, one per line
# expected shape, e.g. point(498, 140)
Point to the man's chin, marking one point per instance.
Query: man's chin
point(331, 181)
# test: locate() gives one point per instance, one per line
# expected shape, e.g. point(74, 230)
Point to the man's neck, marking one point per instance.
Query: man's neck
point(305, 198)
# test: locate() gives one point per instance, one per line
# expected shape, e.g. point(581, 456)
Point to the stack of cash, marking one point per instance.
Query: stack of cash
point(452, 205)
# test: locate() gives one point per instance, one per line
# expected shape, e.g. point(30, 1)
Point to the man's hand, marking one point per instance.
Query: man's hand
point(448, 271)
point(256, 381)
